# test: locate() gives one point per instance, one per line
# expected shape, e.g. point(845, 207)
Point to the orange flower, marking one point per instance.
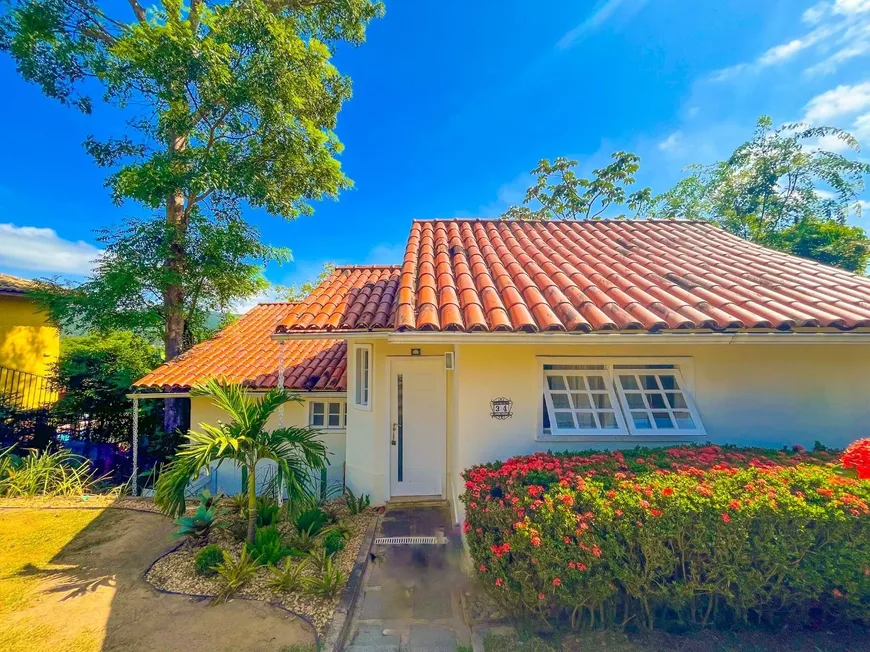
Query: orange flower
point(667, 491)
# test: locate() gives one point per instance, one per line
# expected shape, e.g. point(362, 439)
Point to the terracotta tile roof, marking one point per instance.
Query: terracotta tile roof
point(608, 275)
point(355, 297)
point(244, 352)
point(14, 285)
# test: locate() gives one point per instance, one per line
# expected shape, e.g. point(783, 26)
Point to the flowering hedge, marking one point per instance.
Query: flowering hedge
point(705, 535)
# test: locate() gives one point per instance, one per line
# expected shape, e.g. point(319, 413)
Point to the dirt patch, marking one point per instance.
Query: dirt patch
point(91, 595)
point(176, 572)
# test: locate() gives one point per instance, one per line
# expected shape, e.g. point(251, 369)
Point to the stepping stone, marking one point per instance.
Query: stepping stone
point(429, 638)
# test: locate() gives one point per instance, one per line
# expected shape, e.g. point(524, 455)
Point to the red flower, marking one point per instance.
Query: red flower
point(655, 512)
point(857, 457)
point(581, 567)
point(824, 491)
point(557, 581)
point(466, 527)
point(734, 504)
point(499, 581)
point(667, 491)
point(536, 541)
point(571, 564)
point(482, 568)
point(596, 551)
point(726, 518)
point(567, 499)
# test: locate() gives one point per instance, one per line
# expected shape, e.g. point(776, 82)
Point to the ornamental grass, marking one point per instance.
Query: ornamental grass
point(693, 536)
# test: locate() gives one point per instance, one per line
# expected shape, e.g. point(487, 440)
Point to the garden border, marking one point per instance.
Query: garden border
point(339, 625)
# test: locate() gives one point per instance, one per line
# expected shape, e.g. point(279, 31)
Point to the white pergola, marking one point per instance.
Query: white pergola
point(136, 396)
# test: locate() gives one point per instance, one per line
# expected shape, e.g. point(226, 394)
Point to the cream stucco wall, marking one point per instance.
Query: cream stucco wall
point(761, 394)
point(228, 478)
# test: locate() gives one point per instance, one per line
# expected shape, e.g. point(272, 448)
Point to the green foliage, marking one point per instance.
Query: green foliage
point(311, 521)
point(782, 190)
point(268, 511)
point(559, 194)
point(287, 577)
point(686, 536)
point(357, 504)
point(207, 559)
point(243, 439)
point(223, 263)
point(208, 515)
point(328, 582)
point(95, 373)
point(226, 104)
point(235, 573)
point(827, 241)
point(46, 473)
point(301, 543)
point(301, 291)
point(267, 549)
point(334, 542)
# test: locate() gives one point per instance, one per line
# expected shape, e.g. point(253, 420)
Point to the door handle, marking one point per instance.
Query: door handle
point(393, 440)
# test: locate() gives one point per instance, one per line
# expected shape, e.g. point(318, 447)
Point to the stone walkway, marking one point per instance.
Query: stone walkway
point(411, 593)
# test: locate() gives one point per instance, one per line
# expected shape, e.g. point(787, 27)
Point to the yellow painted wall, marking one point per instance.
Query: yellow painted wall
point(227, 479)
point(28, 341)
point(769, 395)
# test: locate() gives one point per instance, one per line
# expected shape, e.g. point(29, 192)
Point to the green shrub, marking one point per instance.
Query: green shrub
point(267, 549)
point(207, 558)
point(46, 473)
point(357, 505)
point(319, 558)
point(689, 535)
point(288, 577)
point(208, 515)
point(301, 543)
point(327, 583)
point(267, 512)
point(333, 542)
point(235, 573)
point(311, 521)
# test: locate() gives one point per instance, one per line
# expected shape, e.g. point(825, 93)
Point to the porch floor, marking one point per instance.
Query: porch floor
point(411, 593)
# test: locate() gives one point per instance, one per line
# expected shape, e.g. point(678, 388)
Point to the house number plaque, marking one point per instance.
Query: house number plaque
point(501, 408)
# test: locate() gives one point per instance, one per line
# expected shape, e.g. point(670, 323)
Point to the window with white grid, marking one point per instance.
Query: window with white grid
point(579, 399)
point(657, 402)
point(615, 398)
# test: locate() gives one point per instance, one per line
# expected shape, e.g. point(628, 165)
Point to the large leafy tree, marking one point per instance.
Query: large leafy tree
point(558, 193)
point(94, 374)
point(227, 104)
point(243, 439)
point(782, 189)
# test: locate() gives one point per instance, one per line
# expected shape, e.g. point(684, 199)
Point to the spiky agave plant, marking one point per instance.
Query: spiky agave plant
point(244, 440)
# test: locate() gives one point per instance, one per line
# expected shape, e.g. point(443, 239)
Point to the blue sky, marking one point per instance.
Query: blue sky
point(454, 104)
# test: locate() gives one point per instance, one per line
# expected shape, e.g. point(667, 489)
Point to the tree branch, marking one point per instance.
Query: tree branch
point(138, 10)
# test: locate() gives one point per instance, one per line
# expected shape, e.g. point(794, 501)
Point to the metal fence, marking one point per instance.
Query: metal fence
point(25, 389)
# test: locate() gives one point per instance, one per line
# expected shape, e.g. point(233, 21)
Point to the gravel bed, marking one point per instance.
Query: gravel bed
point(177, 572)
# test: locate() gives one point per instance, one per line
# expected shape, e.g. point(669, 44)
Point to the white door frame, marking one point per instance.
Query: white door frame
point(442, 450)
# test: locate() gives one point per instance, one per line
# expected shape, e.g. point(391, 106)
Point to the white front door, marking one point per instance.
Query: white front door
point(418, 420)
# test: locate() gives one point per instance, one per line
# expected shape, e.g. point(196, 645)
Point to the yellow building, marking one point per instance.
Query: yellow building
point(29, 345)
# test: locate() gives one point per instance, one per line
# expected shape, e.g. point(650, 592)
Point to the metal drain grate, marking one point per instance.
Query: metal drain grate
point(407, 541)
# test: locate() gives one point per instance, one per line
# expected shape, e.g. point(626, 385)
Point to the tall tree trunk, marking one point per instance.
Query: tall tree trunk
point(173, 295)
point(252, 502)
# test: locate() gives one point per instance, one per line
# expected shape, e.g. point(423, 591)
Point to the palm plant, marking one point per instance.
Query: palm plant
point(245, 441)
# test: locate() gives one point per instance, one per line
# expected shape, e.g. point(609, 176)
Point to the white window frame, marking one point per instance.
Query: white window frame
point(684, 371)
point(620, 429)
point(326, 402)
point(359, 374)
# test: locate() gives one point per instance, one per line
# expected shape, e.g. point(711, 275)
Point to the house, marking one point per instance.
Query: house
point(29, 345)
point(497, 338)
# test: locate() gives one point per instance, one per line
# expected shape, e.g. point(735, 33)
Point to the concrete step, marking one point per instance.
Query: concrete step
point(372, 636)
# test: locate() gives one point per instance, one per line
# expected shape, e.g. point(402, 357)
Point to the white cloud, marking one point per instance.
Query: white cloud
point(601, 15)
point(862, 204)
point(672, 142)
point(824, 194)
point(840, 101)
point(42, 250)
point(838, 32)
point(861, 128)
point(831, 143)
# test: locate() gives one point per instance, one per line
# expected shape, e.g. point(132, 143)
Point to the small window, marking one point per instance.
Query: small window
point(327, 414)
point(362, 375)
point(657, 402)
